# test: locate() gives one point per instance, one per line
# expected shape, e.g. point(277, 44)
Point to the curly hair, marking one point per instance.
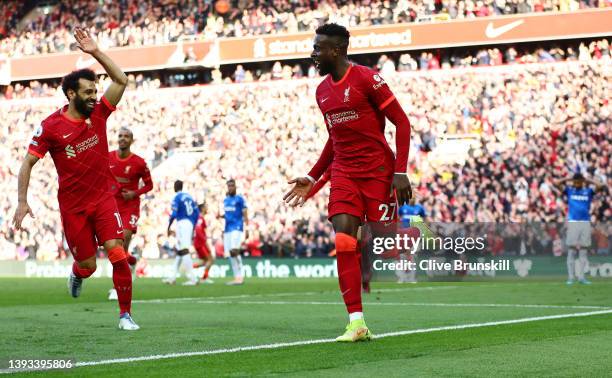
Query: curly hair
point(335, 30)
point(71, 81)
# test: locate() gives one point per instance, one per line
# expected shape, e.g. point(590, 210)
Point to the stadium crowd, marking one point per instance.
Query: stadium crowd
point(386, 65)
point(533, 123)
point(137, 23)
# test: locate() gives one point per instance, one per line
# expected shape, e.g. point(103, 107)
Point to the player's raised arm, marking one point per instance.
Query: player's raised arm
point(597, 185)
point(302, 185)
point(23, 182)
point(560, 185)
point(87, 44)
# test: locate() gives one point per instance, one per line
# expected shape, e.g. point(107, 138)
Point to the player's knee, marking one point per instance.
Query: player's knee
point(89, 264)
point(116, 253)
point(113, 243)
point(345, 243)
point(346, 223)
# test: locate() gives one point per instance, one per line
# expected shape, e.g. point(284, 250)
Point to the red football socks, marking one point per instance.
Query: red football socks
point(349, 271)
point(82, 272)
point(122, 278)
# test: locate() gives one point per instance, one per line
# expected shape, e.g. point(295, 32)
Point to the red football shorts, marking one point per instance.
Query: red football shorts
point(87, 229)
point(202, 251)
point(129, 218)
point(369, 199)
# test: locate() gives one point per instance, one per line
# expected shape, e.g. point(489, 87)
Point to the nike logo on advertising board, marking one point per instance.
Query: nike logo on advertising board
point(494, 32)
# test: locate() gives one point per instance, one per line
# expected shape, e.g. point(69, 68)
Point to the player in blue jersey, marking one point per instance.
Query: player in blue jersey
point(578, 239)
point(235, 214)
point(410, 214)
point(186, 212)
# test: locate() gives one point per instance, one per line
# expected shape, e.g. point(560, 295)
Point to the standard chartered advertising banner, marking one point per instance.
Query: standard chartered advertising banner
point(414, 36)
point(430, 268)
point(586, 23)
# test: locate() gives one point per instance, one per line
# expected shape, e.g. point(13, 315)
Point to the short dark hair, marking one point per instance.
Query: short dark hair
point(127, 130)
point(231, 180)
point(71, 81)
point(578, 176)
point(335, 30)
point(178, 185)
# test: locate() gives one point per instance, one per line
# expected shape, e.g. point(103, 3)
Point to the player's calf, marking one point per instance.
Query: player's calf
point(122, 276)
point(74, 285)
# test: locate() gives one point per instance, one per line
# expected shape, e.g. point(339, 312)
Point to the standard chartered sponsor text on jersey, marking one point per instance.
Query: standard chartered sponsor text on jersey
point(88, 143)
point(344, 117)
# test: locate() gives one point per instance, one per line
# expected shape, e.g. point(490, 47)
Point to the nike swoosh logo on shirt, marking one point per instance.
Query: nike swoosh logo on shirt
point(325, 99)
point(494, 32)
point(67, 135)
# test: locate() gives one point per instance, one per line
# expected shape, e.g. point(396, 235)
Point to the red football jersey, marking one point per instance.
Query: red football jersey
point(199, 240)
point(353, 111)
point(128, 173)
point(79, 149)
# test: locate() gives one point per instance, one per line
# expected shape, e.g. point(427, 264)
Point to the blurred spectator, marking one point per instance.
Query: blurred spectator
point(139, 23)
point(239, 74)
point(530, 124)
point(406, 63)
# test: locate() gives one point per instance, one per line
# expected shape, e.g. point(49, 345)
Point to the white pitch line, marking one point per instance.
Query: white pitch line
point(324, 341)
point(421, 304)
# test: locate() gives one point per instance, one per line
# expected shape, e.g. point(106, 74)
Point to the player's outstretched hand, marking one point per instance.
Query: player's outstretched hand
point(22, 210)
point(84, 41)
point(403, 190)
point(298, 194)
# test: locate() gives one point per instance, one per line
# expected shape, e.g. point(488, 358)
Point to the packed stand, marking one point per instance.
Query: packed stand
point(386, 64)
point(139, 23)
point(535, 122)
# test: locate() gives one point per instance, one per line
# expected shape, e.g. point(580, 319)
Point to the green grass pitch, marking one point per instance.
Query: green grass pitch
point(39, 320)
